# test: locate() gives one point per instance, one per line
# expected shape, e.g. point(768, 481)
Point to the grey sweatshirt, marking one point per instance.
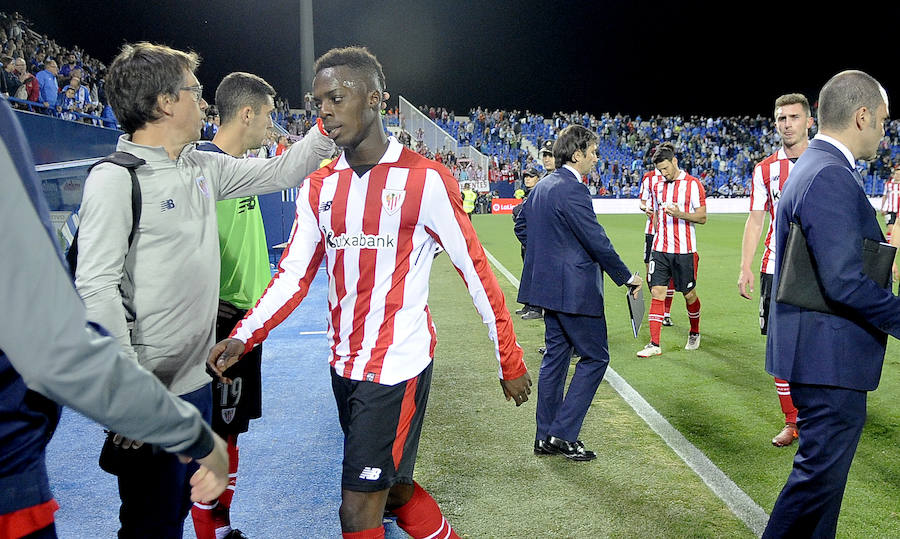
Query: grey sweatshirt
point(45, 335)
point(160, 298)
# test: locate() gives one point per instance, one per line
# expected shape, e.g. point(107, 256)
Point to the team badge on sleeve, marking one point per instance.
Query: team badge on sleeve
point(203, 185)
point(392, 199)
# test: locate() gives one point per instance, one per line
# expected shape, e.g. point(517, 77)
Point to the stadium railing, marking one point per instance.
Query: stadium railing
point(33, 106)
point(435, 138)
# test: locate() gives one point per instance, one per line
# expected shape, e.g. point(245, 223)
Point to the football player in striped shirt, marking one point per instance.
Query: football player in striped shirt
point(245, 104)
point(678, 201)
point(647, 181)
point(375, 215)
point(792, 122)
point(890, 202)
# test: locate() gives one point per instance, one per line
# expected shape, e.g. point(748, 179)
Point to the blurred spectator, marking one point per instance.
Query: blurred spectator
point(211, 125)
point(67, 104)
point(65, 70)
point(9, 79)
point(49, 86)
point(83, 99)
point(29, 82)
point(282, 145)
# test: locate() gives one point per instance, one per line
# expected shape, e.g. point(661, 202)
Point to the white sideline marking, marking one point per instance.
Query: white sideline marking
point(722, 486)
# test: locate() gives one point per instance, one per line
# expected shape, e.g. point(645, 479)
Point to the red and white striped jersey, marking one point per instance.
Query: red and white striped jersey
point(890, 203)
point(673, 235)
point(769, 177)
point(647, 182)
point(378, 235)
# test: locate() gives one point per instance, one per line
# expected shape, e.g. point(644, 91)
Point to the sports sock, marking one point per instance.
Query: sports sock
point(371, 533)
point(670, 294)
point(783, 388)
point(693, 310)
point(655, 319)
point(208, 522)
point(421, 517)
point(233, 456)
point(213, 521)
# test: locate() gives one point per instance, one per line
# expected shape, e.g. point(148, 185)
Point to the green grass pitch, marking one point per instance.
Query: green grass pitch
point(475, 454)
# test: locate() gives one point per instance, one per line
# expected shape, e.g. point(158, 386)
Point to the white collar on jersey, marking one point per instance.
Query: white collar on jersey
point(679, 177)
point(391, 155)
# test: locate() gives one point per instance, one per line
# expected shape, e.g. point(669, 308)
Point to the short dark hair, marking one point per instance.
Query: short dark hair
point(663, 152)
point(359, 59)
point(844, 94)
point(139, 74)
point(573, 138)
point(793, 99)
point(238, 90)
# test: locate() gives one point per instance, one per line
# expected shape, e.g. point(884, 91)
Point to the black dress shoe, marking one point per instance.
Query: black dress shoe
point(541, 447)
point(522, 311)
point(571, 450)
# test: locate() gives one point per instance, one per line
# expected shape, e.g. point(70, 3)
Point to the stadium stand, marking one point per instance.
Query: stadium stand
point(720, 151)
point(489, 148)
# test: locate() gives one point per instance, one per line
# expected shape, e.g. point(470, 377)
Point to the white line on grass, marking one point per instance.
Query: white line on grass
point(722, 486)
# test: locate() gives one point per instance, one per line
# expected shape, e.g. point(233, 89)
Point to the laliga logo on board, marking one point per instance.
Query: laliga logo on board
point(495, 207)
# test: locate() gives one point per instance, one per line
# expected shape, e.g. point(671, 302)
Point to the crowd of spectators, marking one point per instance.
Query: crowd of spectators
point(41, 75)
point(720, 151)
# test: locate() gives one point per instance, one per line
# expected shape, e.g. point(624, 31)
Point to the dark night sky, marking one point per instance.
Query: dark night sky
point(630, 57)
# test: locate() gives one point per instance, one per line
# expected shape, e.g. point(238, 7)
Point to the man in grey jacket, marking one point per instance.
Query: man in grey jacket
point(50, 351)
point(159, 296)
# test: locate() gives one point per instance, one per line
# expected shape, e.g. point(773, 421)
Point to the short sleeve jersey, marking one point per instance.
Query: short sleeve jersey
point(647, 182)
point(769, 177)
point(673, 235)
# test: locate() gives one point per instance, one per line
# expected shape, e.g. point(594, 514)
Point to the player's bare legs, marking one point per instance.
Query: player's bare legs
point(417, 512)
point(362, 510)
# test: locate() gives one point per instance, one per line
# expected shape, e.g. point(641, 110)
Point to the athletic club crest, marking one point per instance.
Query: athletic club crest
point(228, 415)
point(203, 185)
point(392, 199)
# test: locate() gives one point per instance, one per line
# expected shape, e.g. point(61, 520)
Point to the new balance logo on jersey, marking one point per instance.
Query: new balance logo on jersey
point(324, 207)
point(166, 205)
point(370, 474)
point(246, 204)
point(360, 240)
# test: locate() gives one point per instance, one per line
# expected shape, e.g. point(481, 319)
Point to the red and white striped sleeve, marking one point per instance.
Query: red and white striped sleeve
point(443, 215)
point(698, 194)
point(296, 270)
point(759, 192)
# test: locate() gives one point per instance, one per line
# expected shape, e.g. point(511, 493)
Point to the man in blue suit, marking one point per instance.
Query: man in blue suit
point(565, 251)
point(831, 361)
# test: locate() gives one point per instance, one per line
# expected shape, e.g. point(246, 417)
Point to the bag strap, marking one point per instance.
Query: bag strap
point(130, 162)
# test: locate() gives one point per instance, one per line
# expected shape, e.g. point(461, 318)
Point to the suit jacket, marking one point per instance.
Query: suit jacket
point(826, 197)
point(566, 248)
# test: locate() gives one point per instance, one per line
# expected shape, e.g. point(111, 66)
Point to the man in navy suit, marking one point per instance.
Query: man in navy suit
point(565, 251)
point(831, 361)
